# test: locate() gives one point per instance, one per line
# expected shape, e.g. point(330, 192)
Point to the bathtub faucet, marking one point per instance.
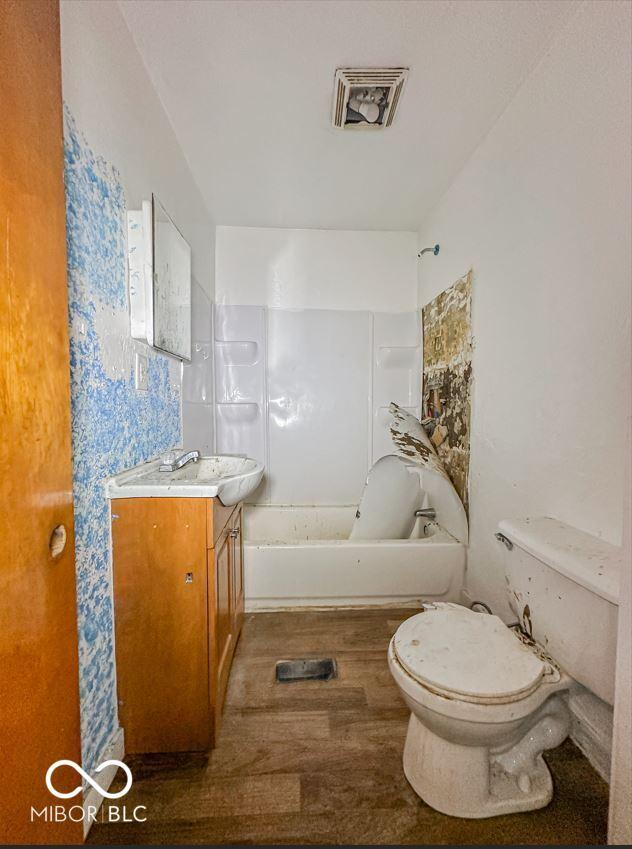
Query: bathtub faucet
point(426, 513)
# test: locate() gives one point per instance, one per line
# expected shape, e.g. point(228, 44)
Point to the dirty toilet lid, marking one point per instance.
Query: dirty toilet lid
point(474, 656)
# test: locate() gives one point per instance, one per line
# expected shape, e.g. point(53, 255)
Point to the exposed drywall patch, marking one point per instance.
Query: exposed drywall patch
point(447, 378)
point(113, 425)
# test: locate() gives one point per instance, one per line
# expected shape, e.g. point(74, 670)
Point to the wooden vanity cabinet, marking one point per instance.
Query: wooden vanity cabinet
point(179, 609)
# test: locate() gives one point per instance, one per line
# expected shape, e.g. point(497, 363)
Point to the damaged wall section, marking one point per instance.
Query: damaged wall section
point(447, 379)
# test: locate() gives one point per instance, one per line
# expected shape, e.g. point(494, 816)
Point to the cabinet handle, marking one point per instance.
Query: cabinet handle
point(234, 533)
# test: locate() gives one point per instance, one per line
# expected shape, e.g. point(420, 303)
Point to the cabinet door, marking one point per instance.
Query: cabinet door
point(160, 588)
point(238, 572)
point(223, 616)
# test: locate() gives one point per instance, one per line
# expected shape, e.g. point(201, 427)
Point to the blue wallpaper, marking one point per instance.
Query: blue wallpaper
point(113, 426)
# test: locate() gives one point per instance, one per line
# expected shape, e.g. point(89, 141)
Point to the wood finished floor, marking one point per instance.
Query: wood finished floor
point(321, 762)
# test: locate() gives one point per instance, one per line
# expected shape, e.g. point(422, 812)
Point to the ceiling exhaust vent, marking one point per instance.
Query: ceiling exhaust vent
point(367, 97)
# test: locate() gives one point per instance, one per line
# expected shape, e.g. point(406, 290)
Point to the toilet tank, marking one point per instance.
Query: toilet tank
point(563, 586)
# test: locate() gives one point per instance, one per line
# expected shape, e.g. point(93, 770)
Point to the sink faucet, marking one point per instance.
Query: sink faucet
point(179, 462)
point(426, 513)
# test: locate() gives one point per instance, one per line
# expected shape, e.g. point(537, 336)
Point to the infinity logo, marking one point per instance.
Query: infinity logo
point(51, 769)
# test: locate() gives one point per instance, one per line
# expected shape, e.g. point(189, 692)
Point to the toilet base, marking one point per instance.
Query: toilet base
point(469, 781)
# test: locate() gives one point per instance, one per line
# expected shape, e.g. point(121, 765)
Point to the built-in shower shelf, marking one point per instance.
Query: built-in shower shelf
point(236, 353)
point(394, 357)
point(239, 342)
point(236, 412)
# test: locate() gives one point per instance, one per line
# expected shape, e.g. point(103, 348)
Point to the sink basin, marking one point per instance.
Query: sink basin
point(229, 478)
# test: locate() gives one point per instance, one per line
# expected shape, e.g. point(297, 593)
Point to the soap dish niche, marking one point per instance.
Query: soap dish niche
point(237, 353)
point(236, 412)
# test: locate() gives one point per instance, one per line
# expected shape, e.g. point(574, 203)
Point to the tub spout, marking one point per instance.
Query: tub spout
point(426, 513)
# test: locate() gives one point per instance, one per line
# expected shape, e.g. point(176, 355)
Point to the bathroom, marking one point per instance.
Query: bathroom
point(389, 387)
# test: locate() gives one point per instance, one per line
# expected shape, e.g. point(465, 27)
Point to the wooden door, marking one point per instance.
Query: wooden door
point(237, 573)
point(39, 693)
point(160, 596)
point(222, 633)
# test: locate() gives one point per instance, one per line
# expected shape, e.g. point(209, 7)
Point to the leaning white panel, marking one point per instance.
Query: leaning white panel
point(391, 496)
point(410, 441)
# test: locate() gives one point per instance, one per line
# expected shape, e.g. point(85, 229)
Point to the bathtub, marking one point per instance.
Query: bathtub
point(301, 557)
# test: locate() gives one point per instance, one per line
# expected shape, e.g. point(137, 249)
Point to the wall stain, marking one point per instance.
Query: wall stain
point(447, 379)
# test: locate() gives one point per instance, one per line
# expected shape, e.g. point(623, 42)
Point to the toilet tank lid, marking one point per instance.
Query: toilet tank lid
point(591, 562)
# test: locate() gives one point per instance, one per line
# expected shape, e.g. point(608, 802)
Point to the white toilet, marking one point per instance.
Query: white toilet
point(487, 700)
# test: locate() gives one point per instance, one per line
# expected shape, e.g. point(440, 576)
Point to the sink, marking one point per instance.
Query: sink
point(229, 478)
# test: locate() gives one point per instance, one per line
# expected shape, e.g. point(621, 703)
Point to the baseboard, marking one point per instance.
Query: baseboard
point(93, 800)
point(271, 605)
point(591, 729)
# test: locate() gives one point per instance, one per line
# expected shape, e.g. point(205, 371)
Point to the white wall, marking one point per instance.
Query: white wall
point(106, 87)
point(541, 212)
point(316, 269)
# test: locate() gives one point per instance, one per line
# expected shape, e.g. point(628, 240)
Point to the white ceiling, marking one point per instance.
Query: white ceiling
point(247, 85)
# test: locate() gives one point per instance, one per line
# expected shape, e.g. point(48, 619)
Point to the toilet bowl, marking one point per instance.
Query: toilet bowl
point(483, 709)
point(487, 700)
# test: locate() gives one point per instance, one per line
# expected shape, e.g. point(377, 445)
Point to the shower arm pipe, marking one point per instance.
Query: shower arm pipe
point(434, 250)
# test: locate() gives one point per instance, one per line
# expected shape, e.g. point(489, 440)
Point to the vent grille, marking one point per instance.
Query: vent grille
point(367, 98)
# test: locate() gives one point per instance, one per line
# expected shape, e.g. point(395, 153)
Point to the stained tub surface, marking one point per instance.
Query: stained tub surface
point(302, 557)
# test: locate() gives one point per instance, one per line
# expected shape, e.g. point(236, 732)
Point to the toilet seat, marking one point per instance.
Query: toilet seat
point(471, 657)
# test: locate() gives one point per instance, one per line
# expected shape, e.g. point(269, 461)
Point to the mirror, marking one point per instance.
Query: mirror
point(171, 285)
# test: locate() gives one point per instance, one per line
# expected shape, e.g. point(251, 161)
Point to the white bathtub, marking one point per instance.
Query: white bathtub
point(301, 557)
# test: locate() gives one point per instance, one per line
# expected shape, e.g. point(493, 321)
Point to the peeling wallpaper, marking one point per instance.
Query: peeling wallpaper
point(113, 425)
point(447, 378)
